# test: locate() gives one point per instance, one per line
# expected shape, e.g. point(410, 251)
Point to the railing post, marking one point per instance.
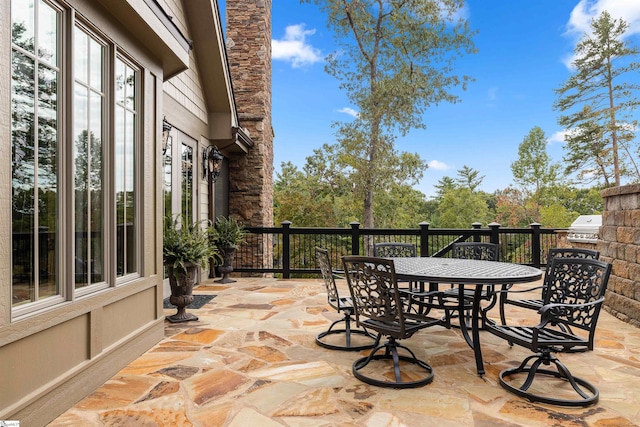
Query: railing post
point(476, 226)
point(495, 233)
point(424, 238)
point(535, 244)
point(286, 254)
point(355, 238)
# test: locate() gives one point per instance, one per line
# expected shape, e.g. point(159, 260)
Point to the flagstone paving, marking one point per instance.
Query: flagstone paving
point(251, 360)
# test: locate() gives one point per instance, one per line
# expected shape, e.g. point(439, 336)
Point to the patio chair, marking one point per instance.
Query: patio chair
point(341, 305)
point(574, 297)
point(469, 250)
point(379, 307)
point(394, 250)
point(536, 303)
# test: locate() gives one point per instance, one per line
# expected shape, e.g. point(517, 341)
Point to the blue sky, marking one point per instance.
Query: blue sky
point(524, 48)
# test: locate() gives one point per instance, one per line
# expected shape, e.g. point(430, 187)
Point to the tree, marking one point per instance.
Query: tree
point(599, 104)
point(468, 178)
point(460, 207)
point(395, 59)
point(533, 171)
point(445, 184)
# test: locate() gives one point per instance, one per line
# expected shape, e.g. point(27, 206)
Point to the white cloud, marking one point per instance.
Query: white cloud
point(349, 111)
point(581, 16)
point(586, 10)
point(438, 165)
point(557, 136)
point(294, 48)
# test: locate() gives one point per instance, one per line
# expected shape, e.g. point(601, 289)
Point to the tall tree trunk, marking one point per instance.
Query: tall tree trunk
point(614, 134)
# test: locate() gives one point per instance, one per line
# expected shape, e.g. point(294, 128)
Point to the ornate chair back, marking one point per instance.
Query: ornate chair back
point(394, 250)
point(374, 294)
point(566, 253)
point(328, 276)
point(576, 281)
point(475, 250)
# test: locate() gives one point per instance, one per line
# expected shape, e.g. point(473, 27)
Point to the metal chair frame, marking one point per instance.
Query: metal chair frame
point(379, 307)
point(469, 250)
point(341, 305)
point(394, 250)
point(573, 298)
point(536, 303)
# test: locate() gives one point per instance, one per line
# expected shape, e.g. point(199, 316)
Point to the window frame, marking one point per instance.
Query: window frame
point(69, 22)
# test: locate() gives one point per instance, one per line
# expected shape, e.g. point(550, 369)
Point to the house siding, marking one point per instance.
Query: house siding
point(51, 359)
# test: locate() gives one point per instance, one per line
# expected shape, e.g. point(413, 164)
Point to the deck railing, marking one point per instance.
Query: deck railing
point(293, 249)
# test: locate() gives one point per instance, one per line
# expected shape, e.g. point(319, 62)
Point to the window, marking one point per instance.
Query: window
point(35, 82)
point(125, 171)
point(67, 222)
point(88, 154)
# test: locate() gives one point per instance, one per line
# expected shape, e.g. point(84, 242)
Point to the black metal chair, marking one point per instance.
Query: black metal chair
point(536, 303)
point(469, 250)
point(341, 304)
point(573, 298)
point(379, 307)
point(394, 250)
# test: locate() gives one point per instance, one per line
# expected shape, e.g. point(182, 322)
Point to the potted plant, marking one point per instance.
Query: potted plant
point(230, 234)
point(185, 248)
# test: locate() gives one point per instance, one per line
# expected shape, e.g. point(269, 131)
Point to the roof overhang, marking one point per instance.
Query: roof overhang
point(153, 28)
point(205, 26)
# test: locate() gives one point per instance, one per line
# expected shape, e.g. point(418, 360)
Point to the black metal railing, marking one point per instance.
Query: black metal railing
point(288, 250)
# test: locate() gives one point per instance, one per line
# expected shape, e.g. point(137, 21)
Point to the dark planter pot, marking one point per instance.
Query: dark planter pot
point(227, 265)
point(182, 292)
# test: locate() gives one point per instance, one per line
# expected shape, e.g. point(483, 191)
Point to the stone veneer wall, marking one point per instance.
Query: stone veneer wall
point(619, 244)
point(251, 176)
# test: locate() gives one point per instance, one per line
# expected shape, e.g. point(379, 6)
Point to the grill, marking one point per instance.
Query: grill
point(585, 229)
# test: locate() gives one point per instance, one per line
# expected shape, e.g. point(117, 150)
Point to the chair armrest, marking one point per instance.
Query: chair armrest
point(549, 311)
point(508, 289)
point(338, 274)
point(418, 294)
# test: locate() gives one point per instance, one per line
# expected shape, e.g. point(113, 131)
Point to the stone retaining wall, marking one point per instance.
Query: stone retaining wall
point(619, 244)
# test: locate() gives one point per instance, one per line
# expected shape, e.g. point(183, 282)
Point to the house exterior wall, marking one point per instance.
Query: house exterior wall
point(185, 88)
point(52, 358)
point(619, 244)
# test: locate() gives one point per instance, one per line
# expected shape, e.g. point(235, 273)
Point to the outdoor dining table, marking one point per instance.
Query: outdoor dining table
point(465, 272)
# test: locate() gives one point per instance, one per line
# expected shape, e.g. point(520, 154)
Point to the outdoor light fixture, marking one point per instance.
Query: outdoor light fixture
point(166, 129)
point(211, 163)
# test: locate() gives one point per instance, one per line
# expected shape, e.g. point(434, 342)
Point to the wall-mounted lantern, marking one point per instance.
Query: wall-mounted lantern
point(166, 129)
point(211, 163)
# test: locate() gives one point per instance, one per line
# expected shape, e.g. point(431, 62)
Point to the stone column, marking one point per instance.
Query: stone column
point(248, 26)
point(619, 244)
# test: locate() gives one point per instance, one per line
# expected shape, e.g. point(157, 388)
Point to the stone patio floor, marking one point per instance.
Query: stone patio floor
point(251, 360)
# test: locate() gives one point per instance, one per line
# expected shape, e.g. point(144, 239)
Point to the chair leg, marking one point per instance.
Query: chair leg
point(391, 353)
point(348, 332)
point(502, 303)
point(580, 386)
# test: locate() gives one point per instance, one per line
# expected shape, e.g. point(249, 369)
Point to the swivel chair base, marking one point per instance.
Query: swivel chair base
point(391, 353)
point(347, 332)
point(579, 385)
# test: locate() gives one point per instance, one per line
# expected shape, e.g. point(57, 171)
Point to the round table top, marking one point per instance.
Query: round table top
point(463, 271)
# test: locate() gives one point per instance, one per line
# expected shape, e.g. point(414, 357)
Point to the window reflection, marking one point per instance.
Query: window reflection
point(88, 154)
point(125, 170)
point(187, 183)
point(34, 134)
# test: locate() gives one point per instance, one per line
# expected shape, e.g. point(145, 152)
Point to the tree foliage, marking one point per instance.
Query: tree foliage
point(533, 171)
point(394, 60)
point(469, 178)
point(599, 104)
